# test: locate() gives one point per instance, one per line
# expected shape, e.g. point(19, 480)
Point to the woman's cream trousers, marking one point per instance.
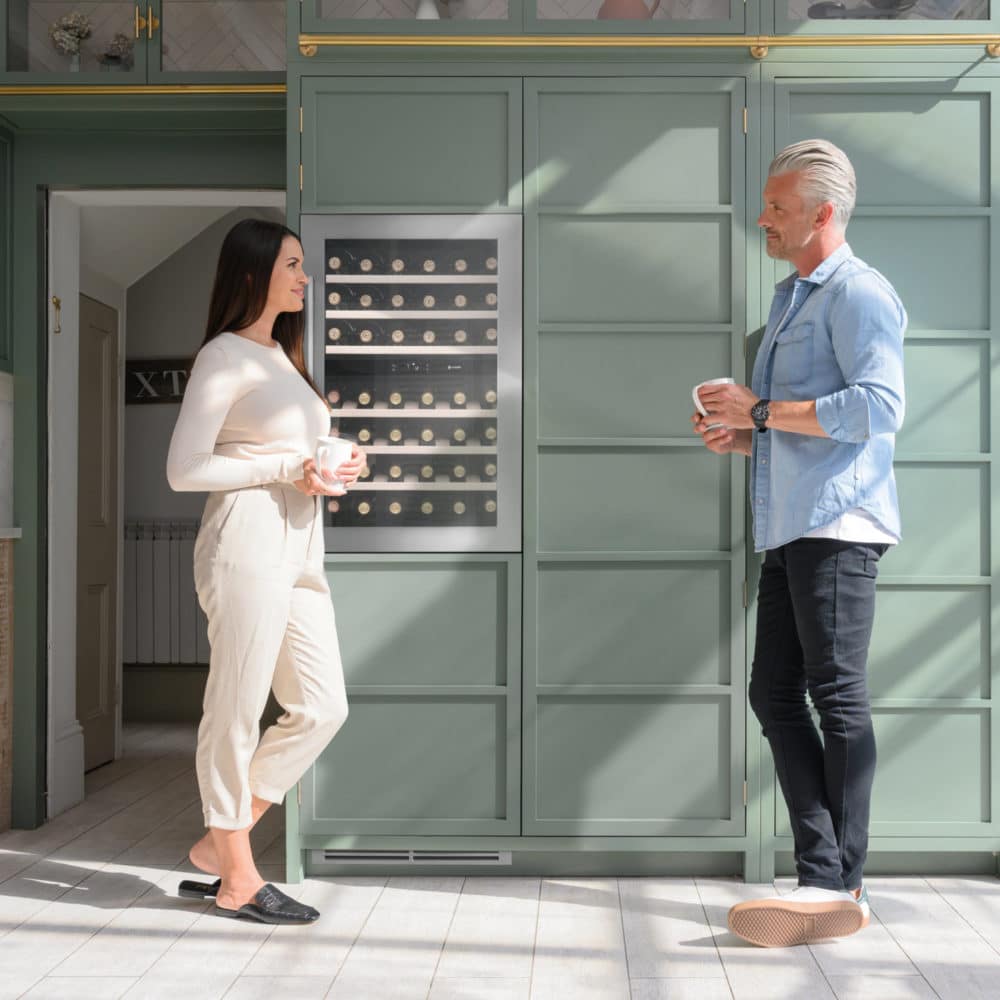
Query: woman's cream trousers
point(258, 568)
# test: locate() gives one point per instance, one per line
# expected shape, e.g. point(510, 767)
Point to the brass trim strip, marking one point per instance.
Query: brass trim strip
point(180, 88)
point(757, 44)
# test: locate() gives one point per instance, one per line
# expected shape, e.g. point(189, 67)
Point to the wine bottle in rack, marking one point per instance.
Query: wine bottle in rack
point(459, 436)
point(335, 334)
point(490, 434)
point(342, 261)
point(365, 399)
point(490, 398)
point(333, 397)
point(427, 400)
point(490, 470)
point(395, 508)
point(371, 262)
point(395, 472)
point(427, 508)
point(395, 436)
point(460, 336)
point(458, 472)
point(427, 436)
point(458, 507)
point(367, 337)
point(364, 435)
point(363, 507)
point(490, 506)
point(395, 398)
point(458, 400)
point(427, 472)
point(490, 336)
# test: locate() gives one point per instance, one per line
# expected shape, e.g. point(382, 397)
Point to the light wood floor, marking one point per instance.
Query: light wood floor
point(88, 909)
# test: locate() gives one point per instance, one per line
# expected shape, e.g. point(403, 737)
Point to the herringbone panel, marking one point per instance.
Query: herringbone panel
point(196, 35)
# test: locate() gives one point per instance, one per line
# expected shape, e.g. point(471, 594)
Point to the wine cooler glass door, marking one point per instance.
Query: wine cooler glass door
point(416, 342)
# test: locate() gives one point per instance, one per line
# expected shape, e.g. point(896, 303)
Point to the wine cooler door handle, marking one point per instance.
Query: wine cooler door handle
point(140, 22)
point(153, 22)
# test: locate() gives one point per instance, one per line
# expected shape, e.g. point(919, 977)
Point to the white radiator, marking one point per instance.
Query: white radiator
point(163, 620)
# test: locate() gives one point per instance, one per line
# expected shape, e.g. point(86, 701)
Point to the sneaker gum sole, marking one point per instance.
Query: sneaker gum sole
point(774, 924)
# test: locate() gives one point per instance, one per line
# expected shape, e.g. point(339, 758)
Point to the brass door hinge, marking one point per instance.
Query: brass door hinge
point(300, 121)
point(746, 121)
point(300, 176)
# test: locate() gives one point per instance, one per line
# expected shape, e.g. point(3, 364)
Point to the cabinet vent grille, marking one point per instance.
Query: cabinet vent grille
point(407, 857)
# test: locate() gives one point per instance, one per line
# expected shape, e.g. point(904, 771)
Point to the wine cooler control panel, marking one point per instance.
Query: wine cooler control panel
point(415, 338)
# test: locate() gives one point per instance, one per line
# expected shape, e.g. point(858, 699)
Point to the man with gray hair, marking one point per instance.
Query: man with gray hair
point(818, 424)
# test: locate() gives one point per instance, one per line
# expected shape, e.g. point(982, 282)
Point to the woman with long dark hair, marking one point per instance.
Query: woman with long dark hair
point(247, 434)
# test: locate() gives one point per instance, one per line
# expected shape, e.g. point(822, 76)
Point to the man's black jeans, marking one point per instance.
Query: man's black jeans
point(816, 604)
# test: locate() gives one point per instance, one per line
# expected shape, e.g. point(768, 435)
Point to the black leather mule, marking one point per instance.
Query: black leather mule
point(272, 906)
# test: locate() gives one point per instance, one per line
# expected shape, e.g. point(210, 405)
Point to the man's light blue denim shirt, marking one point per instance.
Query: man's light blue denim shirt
point(835, 336)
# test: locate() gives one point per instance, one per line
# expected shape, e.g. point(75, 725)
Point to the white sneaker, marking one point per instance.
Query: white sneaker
point(805, 915)
point(862, 900)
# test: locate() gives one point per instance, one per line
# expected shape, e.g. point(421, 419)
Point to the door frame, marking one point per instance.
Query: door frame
point(68, 280)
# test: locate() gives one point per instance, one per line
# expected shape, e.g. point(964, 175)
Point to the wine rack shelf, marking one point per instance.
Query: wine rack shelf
point(416, 325)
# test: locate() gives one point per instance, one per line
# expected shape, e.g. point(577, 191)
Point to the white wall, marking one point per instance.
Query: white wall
point(167, 309)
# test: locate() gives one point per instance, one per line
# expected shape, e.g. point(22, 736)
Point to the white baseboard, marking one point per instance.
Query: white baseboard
point(66, 787)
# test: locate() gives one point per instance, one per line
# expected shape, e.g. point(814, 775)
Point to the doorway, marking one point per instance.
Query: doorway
point(129, 274)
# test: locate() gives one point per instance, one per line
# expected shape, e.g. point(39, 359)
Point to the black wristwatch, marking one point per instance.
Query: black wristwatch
point(759, 413)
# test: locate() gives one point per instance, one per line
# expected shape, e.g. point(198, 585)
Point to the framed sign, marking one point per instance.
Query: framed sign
point(156, 380)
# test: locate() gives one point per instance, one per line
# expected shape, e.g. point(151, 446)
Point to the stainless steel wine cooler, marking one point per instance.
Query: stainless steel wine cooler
point(415, 337)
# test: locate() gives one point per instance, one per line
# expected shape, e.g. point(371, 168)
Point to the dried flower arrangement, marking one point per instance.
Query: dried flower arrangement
point(118, 51)
point(68, 31)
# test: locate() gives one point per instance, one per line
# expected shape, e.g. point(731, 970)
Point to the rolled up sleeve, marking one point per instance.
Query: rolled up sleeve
point(867, 324)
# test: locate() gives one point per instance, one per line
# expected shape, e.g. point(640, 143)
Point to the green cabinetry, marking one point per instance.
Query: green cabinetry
point(634, 545)
point(432, 666)
point(144, 41)
point(410, 144)
point(925, 154)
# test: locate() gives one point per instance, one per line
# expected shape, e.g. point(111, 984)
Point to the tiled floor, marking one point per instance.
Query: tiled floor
point(88, 909)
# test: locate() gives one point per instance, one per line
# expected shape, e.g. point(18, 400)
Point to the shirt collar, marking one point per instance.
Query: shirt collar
point(822, 273)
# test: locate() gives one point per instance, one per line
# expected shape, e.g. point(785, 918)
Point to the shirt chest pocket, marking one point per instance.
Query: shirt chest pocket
point(793, 355)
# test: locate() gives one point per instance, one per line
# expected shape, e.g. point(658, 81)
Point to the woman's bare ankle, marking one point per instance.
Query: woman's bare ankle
point(203, 856)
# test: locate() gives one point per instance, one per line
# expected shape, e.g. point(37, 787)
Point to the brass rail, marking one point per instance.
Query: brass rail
point(757, 45)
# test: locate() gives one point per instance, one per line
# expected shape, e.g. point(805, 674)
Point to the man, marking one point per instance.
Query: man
point(819, 425)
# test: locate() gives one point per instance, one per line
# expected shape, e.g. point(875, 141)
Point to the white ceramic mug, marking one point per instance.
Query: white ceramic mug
point(331, 453)
point(697, 402)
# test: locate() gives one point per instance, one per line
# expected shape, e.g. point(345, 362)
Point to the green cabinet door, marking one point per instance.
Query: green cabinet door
point(431, 653)
point(407, 144)
point(925, 156)
point(634, 664)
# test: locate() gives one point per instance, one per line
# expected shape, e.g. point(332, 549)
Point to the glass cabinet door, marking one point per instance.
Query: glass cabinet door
point(432, 15)
point(222, 36)
point(633, 11)
point(887, 10)
point(60, 36)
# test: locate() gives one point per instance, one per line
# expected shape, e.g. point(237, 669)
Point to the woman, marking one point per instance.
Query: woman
point(246, 433)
